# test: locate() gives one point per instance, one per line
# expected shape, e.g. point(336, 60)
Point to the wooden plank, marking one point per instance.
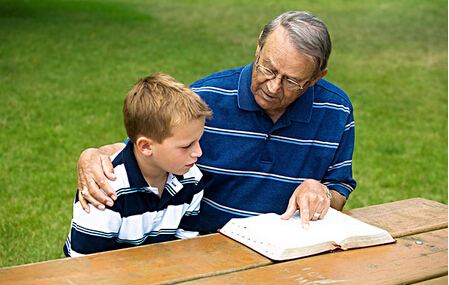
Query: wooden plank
point(436, 281)
point(406, 217)
point(164, 262)
point(401, 263)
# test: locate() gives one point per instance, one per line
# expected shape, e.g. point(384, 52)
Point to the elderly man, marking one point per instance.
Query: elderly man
point(281, 138)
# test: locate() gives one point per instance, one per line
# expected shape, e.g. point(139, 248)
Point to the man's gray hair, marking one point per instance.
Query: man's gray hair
point(307, 32)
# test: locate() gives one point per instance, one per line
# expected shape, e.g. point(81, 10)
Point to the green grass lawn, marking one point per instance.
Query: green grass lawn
point(66, 66)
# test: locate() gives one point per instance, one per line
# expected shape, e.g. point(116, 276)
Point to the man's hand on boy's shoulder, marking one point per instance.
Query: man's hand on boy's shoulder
point(94, 169)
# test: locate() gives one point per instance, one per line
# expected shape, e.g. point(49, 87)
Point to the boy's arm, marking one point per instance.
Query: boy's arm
point(189, 225)
point(94, 168)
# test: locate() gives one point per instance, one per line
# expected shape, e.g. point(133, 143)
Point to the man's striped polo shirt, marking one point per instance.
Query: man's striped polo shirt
point(252, 165)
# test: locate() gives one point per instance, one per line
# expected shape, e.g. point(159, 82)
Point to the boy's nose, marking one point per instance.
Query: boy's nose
point(198, 151)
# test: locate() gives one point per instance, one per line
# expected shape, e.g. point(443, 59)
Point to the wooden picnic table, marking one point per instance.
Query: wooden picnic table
point(419, 256)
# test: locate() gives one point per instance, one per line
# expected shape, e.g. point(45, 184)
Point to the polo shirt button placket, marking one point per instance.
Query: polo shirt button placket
point(266, 153)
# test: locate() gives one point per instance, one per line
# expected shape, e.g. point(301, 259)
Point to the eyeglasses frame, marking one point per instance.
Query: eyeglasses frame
point(274, 75)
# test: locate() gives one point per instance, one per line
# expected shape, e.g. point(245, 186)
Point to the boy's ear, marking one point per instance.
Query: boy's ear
point(145, 146)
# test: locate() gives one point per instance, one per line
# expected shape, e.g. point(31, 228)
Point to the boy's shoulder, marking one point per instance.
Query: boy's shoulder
point(120, 170)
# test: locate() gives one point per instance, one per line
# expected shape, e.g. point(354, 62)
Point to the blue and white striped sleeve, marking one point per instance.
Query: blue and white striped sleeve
point(339, 175)
point(92, 232)
point(190, 221)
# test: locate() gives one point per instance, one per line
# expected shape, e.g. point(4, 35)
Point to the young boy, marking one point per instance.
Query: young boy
point(158, 185)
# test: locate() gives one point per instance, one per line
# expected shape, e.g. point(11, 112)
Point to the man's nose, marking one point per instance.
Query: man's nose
point(274, 84)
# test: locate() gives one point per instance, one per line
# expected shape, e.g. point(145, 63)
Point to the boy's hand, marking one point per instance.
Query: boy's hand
point(94, 168)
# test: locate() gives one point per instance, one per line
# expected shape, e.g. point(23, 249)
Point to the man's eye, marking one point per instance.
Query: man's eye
point(267, 71)
point(291, 81)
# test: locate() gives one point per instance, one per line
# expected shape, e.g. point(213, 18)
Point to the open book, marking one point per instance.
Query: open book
point(281, 240)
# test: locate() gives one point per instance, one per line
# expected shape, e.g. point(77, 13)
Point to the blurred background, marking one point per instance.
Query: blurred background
point(66, 66)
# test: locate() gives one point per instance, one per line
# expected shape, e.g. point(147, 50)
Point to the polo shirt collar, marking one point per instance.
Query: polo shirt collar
point(300, 110)
point(135, 176)
point(173, 185)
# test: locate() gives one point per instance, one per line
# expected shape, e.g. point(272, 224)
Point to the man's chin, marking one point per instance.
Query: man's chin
point(265, 101)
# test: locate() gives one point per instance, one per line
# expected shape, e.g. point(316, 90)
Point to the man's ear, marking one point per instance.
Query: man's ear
point(258, 44)
point(318, 77)
point(145, 145)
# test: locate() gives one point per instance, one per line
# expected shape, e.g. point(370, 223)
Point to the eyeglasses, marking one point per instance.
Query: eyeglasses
point(287, 83)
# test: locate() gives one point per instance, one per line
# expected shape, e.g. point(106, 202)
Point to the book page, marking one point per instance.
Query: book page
point(341, 226)
point(271, 228)
point(269, 233)
point(275, 238)
point(289, 233)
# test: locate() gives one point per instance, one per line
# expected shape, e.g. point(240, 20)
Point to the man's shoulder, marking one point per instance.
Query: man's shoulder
point(328, 92)
point(223, 79)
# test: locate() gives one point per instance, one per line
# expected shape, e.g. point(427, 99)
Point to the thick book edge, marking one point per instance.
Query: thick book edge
point(277, 254)
point(367, 241)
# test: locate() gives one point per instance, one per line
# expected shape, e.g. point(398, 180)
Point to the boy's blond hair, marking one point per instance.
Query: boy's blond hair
point(157, 103)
